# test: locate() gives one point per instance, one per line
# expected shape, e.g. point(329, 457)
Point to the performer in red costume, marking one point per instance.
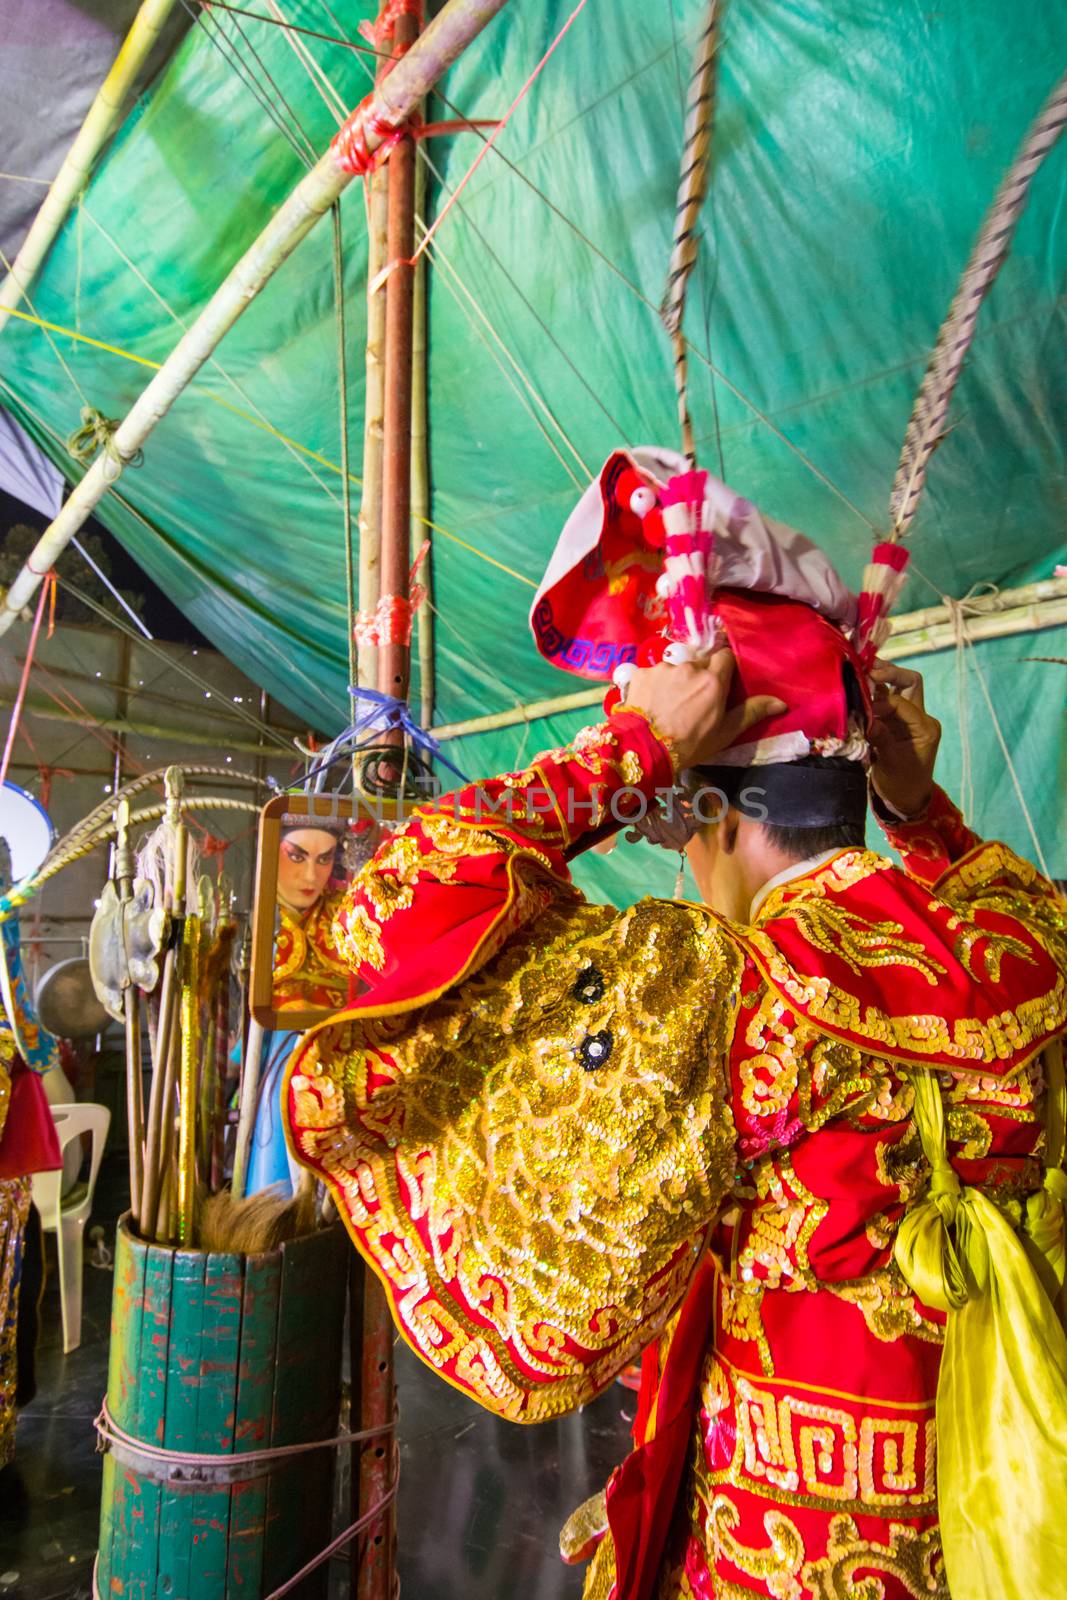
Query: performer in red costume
point(800, 1143)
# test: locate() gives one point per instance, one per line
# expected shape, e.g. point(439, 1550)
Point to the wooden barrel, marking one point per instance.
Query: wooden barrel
point(221, 1354)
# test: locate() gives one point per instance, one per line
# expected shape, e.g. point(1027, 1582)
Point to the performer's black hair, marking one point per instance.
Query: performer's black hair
point(847, 834)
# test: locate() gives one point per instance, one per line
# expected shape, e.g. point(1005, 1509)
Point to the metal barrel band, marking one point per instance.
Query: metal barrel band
point(196, 1468)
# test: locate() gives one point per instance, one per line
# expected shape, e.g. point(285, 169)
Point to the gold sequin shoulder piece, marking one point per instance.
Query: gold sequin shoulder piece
point(531, 1163)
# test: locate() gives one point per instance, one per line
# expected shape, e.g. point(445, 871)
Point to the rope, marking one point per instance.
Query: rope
point(336, 1544)
point(97, 432)
point(110, 1432)
point(1016, 785)
point(343, 1538)
point(926, 426)
point(692, 190)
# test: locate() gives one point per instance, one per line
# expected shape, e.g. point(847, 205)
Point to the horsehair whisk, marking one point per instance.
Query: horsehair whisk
point(692, 191)
point(926, 426)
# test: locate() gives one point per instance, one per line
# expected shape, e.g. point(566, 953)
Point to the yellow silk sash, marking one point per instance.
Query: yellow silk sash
point(1002, 1390)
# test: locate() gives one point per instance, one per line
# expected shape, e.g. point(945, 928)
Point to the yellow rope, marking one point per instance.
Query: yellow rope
point(144, 361)
point(266, 427)
point(473, 548)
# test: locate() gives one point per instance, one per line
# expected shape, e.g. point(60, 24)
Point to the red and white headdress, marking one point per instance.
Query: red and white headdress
point(657, 560)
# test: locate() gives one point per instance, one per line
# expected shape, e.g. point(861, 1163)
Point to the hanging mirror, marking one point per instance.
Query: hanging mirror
point(310, 848)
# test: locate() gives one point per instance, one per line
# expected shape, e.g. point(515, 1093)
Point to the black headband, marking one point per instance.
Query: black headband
point(784, 793)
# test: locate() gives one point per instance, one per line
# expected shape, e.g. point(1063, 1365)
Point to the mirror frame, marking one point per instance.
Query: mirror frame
point(264, 900)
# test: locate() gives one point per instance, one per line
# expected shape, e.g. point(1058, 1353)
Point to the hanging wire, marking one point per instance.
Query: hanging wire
point(517, 377)
point(336, 106)
point(296, 451)
point(275, 86)
point(293, 27)
point(569, 361)
point(110, 587)
point(79, 391)
point(226, 49)
point(703, 357)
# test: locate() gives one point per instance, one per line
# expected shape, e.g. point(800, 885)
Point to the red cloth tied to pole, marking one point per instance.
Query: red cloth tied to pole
point(382, 30)
point(349, 144)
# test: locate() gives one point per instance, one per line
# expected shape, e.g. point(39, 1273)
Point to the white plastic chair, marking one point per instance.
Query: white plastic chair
point(65, 1215)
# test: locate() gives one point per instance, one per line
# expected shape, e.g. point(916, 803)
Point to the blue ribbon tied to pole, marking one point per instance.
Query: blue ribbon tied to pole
point(378, 713)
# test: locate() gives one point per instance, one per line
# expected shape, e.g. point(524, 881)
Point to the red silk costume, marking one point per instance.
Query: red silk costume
point(561, 1135)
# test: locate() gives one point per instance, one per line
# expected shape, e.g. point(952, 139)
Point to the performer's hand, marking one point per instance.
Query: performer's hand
point(904, 740)
point(687, 705)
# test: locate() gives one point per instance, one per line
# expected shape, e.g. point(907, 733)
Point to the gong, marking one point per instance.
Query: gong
point(66, 1001)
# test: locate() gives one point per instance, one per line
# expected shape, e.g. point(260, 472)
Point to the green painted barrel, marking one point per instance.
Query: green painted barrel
point(221, 1355)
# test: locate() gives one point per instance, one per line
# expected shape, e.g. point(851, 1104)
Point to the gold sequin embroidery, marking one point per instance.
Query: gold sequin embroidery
point(777, 1566)
point(912, 1556)
point(486, 1166)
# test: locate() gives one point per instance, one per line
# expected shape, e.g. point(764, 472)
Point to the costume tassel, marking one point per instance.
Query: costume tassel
point(689, 569)
point(883, 579)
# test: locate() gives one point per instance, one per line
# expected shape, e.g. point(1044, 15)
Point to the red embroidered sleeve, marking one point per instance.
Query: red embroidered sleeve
point(441, 896)
point(930, 844)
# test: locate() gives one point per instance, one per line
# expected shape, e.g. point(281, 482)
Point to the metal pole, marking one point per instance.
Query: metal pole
point(392, 103)
point(377, 1390)
point(394, 660)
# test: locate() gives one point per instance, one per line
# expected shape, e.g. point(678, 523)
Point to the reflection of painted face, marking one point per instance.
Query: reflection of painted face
point(305, 861)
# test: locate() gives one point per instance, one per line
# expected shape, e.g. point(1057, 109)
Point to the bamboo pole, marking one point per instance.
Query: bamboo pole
point(131, 1007)
point(376, 1553)
point(370, 504)
point(392, 103)
point(161, 1098)
point(420, 469)
point(1011, 611)
point(147, 730)
point(187, 1085)
point(994, 625)
point(100, 123)
point(394, 655)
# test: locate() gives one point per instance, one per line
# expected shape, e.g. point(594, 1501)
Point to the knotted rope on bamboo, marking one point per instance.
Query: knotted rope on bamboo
point(97, 433)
